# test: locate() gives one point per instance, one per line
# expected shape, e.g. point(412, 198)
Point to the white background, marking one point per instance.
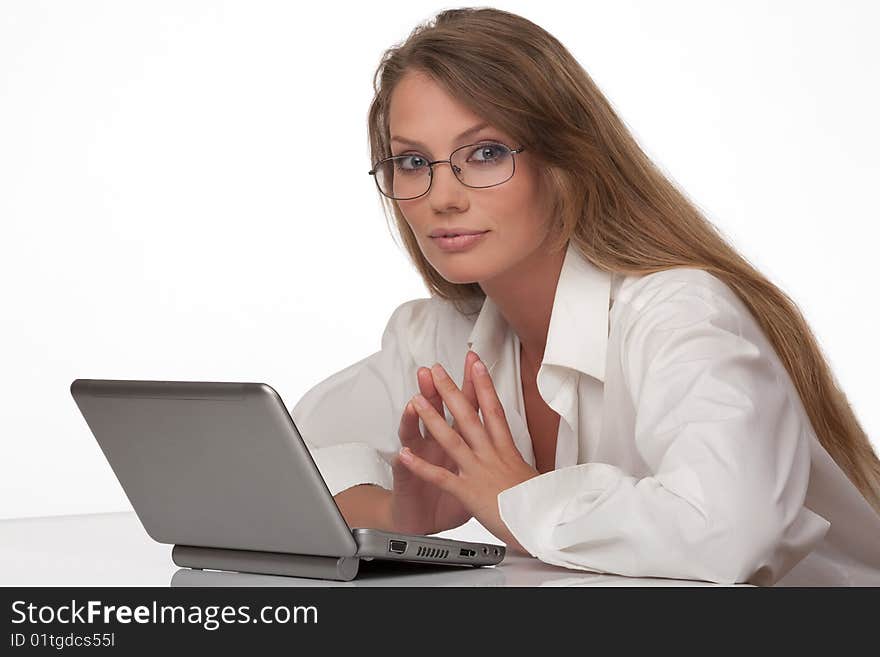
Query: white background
point(183, 189)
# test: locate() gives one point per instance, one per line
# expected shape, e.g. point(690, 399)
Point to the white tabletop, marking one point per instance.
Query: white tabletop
point(112, 549)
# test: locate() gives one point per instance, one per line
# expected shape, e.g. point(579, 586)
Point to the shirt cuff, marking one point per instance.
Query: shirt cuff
point(344, 465)
point(595, 517)
point(534, 507)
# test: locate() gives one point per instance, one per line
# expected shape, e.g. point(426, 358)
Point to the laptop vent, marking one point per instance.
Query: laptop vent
point(431, 552)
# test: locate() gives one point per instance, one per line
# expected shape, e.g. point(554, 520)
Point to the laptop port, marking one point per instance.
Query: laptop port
point(465, 552)
point(398, 547)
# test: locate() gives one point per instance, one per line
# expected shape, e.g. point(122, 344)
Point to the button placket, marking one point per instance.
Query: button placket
point(510, 400)
point(565, 404)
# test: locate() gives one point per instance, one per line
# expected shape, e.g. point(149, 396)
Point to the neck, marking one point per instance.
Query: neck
point(524, 296)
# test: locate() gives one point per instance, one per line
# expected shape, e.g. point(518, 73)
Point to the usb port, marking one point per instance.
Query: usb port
point(465, 552)
point(398, 547)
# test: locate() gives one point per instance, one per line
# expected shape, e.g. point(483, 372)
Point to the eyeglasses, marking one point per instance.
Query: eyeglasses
point(483, 164)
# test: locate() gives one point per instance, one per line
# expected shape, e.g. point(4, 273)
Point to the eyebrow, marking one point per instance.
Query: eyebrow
point(466, 133)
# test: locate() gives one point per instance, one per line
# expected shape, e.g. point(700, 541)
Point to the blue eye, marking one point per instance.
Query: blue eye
point(490, 153)
point(410, 163)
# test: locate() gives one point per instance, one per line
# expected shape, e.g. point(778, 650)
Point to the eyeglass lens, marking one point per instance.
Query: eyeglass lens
point(476, 165)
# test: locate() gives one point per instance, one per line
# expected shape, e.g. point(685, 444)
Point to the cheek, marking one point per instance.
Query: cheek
point(419, 227)
point(520, 209)
point(412, 216)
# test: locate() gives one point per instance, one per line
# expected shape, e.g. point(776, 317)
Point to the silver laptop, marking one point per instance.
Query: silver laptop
point(220, 471)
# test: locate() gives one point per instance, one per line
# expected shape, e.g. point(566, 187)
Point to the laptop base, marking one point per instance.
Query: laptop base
point(266, 563)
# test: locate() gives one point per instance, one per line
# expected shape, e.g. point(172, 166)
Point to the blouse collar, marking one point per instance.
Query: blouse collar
point(578, 334)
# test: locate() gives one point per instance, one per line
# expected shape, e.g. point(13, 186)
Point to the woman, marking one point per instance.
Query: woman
point(636, 398)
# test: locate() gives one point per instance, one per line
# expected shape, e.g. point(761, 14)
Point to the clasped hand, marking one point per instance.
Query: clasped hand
point(483, 451)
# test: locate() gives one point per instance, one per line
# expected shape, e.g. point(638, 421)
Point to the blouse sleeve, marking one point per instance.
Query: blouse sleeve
point(717, 422)
point(349, 420)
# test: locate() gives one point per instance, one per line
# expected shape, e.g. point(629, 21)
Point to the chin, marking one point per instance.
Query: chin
point(460, 281)
point(462, 268)
point(463, 275)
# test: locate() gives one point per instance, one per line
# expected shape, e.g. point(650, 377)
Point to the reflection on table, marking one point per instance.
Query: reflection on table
point(112, 549)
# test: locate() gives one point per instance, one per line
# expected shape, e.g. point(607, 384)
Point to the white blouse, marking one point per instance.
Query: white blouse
point(683, 448)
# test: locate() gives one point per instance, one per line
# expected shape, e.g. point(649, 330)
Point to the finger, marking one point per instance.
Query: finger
point(411, 438)
point(494, 417)
point(408, 430)
point(410, 434)
point(429, 392)
point(448, 438)
point(467, 385)
point(467, 421)
point(427, 389)
point(440, 477)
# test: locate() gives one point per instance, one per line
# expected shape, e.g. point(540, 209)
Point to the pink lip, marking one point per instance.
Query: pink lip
point(459, 242)
point(454, 230)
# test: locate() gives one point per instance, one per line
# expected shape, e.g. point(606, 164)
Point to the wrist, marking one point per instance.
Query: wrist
point(386, 518)
point(365, 505)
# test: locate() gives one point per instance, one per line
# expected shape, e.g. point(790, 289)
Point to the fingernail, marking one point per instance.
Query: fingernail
point(409, 407)
point(420, 401)
point(438, 370)
point(405, 454)
point(479, 367)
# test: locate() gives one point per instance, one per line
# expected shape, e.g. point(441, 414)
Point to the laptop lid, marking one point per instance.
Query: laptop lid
point(214, 464)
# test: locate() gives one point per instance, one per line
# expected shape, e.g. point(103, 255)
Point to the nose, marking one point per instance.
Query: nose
point(445, 187)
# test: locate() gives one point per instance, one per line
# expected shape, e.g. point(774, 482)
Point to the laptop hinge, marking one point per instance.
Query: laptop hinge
point(266, 563)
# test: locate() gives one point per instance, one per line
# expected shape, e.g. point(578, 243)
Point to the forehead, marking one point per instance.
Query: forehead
point(420, 109)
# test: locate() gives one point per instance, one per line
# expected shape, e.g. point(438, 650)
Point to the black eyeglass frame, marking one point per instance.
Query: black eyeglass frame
point(513, 151)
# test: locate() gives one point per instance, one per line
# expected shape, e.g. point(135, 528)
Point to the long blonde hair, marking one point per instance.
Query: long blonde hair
point(610, 200)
